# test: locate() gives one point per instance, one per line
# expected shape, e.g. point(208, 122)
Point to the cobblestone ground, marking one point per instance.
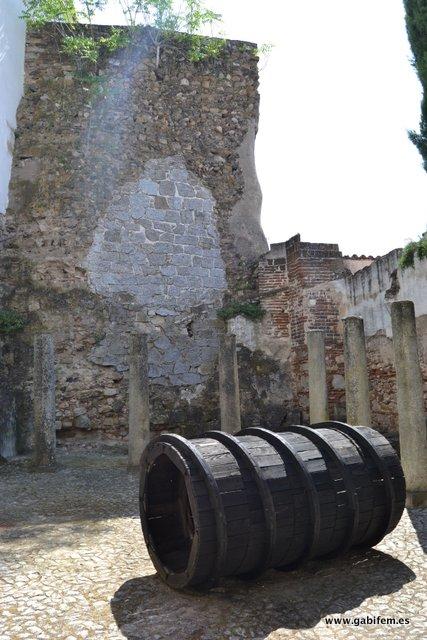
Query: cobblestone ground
point(73, 566)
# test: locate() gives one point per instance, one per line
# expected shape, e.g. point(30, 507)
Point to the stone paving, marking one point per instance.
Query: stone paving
point(73, 566)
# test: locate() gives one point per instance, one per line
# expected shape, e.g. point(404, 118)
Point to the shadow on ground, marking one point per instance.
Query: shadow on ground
point(419, 523)
point(145, 609)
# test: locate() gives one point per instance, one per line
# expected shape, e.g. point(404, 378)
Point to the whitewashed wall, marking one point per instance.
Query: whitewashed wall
point(12, 47)
point(371, 291)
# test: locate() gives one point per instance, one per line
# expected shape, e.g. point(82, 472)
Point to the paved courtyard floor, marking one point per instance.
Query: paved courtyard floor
point(73, 566)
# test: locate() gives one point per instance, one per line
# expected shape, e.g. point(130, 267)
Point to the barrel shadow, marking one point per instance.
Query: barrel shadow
point(146, 609)
point(418, 519)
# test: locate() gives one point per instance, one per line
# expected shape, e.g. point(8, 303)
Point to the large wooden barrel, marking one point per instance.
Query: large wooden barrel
point(236, 505)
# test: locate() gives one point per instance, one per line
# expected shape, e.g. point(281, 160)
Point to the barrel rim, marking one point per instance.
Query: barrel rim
point(152, 452)
point(185, 447)
point(363, 442)
point(313, 498)
point(353, 502)
point(237, 448)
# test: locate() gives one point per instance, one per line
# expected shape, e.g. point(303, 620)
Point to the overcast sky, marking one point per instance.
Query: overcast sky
point(338, 94)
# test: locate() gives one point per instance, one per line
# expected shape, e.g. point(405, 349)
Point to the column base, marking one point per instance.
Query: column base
point(416, 499)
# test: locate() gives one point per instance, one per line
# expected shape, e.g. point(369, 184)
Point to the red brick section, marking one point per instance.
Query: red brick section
point(289, 276)
point(382, 378)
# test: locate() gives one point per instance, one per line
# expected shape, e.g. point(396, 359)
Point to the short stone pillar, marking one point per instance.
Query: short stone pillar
point(229, 394)
point(356, 373)
point(317, 386)
point(44, 402)
point(410, 402)
point(139, 406)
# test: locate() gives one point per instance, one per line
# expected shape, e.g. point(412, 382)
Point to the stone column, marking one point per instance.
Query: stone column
point(139, 407)
point(317, 387)
point(229, 394)
point(410, 402)
point(44, 402)
point(356, 373)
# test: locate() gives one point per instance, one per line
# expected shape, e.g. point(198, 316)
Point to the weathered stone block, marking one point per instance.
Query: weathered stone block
point(162, 247)
point(175, 202)
point(156, 259)
point(167, 188)
point(197, 261)
point(165, 312)
point(181, 367)
point(163, 225)
point(190, 378)
point(112, 236)
point(168, 270)
point(152, 234)
point(149, 186)
point(185, 189)
point(187, 217)
point(163, 343)
point(160, 202)
point(167, 237)
point(178, 174)
point(181, 260)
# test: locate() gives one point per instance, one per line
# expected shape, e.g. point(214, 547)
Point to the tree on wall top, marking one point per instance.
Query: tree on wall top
point(183, 21)
point(416, 25)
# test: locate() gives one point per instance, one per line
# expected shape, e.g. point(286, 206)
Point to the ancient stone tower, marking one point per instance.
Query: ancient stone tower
point(134, 204)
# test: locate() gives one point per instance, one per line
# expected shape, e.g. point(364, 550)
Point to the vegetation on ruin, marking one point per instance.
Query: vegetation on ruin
point(416, 25)
point(10, 321)
point(414, 248)
point(173, 26)
point(251, 310)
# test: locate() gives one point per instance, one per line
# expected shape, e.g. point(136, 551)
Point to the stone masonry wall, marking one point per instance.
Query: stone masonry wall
point(126, 213)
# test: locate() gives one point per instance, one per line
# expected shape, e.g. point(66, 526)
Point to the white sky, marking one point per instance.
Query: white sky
point(338, 94)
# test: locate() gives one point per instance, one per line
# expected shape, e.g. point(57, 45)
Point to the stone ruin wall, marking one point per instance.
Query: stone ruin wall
point(311, 286)
point(134, 204)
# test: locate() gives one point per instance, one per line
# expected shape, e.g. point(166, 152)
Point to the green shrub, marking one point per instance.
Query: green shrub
point(422, 247)
point(413, 249)
point(251, 310)
point(10, 321)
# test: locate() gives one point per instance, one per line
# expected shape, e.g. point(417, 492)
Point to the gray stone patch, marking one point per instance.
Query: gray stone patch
point(159, 243)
